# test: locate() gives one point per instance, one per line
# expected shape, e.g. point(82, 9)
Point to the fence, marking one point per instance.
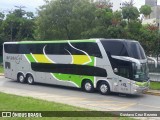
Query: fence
point(154, 72)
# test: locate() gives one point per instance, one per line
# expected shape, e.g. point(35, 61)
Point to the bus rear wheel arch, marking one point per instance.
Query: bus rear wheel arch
point(103, 87)
point(87, 86)
point(21, 78)
point(30, 79)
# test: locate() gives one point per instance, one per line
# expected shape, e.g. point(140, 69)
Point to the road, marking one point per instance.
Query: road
point(76, 97)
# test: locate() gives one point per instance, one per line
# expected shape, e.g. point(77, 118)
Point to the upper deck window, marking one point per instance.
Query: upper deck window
point(115, 47)
point(124, 48)
point(135, 50)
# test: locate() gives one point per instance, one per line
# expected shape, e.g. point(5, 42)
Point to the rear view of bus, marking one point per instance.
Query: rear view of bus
point(129, 65)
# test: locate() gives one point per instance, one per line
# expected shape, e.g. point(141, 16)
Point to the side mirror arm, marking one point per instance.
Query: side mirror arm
point(155, 61)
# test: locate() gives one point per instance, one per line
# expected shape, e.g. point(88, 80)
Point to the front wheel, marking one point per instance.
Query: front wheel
point(104, 88)
point(30, 79)
point(88, 86)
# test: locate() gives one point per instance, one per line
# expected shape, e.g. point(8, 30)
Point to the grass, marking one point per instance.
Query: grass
point(1, 69)
point(155, 85)
point(1, 66)
point(17, 103)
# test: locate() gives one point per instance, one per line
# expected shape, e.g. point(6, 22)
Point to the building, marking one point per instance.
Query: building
point(154, 17)
point(151, 3)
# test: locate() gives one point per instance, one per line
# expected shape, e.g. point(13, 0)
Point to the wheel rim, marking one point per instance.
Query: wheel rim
point(30, 79)
point(88, 86)
point(103, 88)
point(21, 78)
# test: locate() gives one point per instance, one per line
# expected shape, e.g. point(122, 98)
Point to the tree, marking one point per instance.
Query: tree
point(1, 16)
point(17, 27)
point(134, 27)
point(117, 18)
point(128, 3)
point(145, 10)
point(130, 13)
point(65, 19)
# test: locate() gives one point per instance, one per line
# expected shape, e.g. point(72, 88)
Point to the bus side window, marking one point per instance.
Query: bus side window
point(7, 65)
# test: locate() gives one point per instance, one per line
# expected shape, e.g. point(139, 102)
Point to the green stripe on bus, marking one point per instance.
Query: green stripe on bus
point(56, 41)
point(30, 58)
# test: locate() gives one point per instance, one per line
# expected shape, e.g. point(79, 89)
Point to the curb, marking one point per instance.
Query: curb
point(1, 74)
point(156, 93)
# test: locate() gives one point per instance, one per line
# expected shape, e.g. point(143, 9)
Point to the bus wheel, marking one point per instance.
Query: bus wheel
point(104, 88)
point(30, 79)
point(20, 78)
point(88, 86)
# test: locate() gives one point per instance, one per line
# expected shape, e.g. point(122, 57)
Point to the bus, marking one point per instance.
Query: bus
point(108, 65)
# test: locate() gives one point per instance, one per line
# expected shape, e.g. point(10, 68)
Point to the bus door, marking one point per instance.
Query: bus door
point(124, 84)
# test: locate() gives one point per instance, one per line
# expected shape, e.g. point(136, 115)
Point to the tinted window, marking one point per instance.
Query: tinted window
point(91, 48)
point(115, 47)
point(54, 48)
point(135, 50)
point(11, 48)
point(76, 49)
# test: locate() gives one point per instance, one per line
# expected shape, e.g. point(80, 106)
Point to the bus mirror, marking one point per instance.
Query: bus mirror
point(155, 61)
point(115, 70)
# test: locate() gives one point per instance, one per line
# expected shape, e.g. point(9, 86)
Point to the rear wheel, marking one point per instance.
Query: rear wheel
point(21, 78)
point(104, 88)
point(88, 86)
point(30, 79)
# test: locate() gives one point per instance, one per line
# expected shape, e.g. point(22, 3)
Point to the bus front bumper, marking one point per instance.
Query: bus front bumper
point(140, 90)
point(140, 87)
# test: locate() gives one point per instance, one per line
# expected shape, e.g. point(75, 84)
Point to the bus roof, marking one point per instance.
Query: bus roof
point(71, 41)
point(51, 41)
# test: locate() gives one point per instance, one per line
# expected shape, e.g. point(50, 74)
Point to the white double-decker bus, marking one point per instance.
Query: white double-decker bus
point(109, 65)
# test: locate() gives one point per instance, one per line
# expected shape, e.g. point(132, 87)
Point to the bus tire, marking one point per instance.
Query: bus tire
point(30, 79)
point(88, 86)
point(20, 78)
point(104, 88)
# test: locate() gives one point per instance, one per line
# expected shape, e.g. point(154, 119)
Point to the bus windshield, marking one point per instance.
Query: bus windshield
point(140, 75)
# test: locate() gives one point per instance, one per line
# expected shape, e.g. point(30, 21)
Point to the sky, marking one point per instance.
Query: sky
point(31, 5)
point(9, 5)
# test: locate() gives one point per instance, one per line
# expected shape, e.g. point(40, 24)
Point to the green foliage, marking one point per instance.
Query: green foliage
point(130, 13)
point(145, 10)
point(65, 19)
point(134, 27)
point(115, 32)
point(149, 38)
point(17, 26)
